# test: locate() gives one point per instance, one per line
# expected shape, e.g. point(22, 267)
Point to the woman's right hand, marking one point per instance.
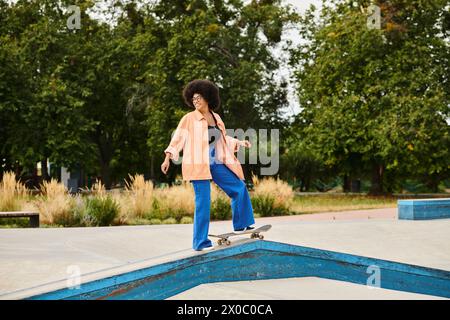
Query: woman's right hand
point(165, 165)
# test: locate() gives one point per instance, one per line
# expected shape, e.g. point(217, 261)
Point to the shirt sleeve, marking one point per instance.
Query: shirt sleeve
point(233, 144)
point(178, 139)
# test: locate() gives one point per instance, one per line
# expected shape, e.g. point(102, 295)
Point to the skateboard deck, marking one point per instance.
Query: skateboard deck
point(255, 233)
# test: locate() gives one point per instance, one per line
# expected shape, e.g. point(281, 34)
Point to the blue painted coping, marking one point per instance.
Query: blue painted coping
point(423, 209)
point(256, 260)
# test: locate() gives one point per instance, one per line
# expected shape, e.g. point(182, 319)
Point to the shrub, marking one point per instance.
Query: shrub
point(272, 197)
point(265, 206)
point(170, 221)
point(139, 221)
point(186, 220)
point(220, 204)
point(155, 221)
point(158, 211)
point(221, 209)
point(102, 210)
point(174, 202)
point(14, 223)
point(74, 216)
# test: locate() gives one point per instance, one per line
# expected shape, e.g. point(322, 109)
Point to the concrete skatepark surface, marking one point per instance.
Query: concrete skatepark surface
point(34, 261)
point(307, 288)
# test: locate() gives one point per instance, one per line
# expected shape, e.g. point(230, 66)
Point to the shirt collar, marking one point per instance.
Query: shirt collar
point(199, 115)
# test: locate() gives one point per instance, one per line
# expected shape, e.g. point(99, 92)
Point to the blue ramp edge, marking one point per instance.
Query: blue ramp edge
point(423, 209)
point(257, 260)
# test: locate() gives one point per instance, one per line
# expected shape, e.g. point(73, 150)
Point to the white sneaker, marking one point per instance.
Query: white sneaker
point(207, 249)
point(245, 229)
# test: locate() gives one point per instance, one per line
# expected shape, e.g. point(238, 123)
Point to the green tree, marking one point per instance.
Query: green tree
point(227, 42)
point(376, 101)
point(44, 117)
point(106, 97)
point(75, 88)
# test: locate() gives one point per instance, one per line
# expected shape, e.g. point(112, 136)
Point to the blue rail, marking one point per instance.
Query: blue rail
point(257, 260)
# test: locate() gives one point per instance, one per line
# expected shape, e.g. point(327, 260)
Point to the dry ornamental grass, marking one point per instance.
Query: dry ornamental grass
point(54, 203)
point(272, 196)
point(12, 192)
point(140, 196)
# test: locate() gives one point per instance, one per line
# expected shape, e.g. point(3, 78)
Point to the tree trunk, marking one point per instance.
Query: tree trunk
point(152, 167)
point(377, 179)
point(106, 154)
point(307, 184)
point(355, 185)
point(347, 183)
point(106, 175)
point(17, 169)
point(432, 183)
point(44, 170)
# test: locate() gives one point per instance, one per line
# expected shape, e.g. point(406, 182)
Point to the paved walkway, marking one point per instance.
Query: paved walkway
point(34, 261)
point(387, 213)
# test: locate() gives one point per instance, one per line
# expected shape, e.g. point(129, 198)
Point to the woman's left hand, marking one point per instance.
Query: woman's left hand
point(246, 143)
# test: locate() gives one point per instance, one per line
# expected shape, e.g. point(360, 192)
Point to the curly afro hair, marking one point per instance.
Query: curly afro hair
point(206, 88)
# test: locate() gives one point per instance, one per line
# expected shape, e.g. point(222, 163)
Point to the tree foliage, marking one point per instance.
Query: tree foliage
point(107, 96)
point(375, 102)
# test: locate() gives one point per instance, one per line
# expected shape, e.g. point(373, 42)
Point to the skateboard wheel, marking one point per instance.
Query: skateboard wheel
point(261, 236)
point(219, 242)
point(228, 242)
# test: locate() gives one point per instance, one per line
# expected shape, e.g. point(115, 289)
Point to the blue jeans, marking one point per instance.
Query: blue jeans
point(235, 188)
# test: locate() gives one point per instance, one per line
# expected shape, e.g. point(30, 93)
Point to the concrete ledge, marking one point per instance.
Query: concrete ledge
point(424, 209)
point(257, 260)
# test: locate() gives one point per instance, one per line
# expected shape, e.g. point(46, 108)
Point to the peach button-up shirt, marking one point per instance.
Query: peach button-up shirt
point(191, 136)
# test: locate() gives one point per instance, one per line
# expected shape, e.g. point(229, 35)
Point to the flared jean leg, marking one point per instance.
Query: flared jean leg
point(202, 190)
point(235, 188)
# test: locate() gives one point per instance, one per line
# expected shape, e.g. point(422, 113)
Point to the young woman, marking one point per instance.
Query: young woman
point(208, 154)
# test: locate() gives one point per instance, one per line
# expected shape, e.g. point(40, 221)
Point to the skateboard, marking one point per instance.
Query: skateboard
point(254, 234)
